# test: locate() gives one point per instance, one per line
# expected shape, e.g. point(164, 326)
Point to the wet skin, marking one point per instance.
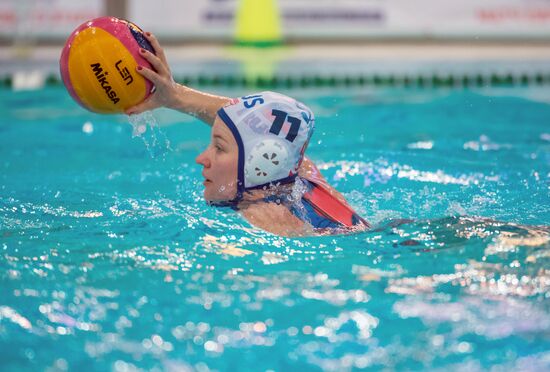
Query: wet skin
point(219, 161)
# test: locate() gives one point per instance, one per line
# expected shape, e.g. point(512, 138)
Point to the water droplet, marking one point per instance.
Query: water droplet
point(88, 128)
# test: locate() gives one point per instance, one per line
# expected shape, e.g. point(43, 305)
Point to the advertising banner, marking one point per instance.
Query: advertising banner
point(300, 19)
point(355, 18)
point(32, 19)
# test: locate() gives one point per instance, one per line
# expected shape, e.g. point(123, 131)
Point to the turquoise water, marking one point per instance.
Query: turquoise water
point(110, 259)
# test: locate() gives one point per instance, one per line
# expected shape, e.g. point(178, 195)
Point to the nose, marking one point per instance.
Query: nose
point(203, 159)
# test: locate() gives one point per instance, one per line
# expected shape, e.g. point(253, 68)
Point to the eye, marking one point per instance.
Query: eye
point(218, 147)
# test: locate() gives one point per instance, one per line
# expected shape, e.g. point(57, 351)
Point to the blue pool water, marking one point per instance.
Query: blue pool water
point(110, 259)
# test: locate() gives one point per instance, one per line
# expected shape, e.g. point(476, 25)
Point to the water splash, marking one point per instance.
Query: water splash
point(146, 127)
point(298, 190)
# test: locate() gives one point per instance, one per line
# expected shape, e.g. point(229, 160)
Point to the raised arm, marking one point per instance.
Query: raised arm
point(170, 94)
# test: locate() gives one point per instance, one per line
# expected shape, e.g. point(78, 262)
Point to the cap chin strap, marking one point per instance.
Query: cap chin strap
point(233, 203)
point(224, 203)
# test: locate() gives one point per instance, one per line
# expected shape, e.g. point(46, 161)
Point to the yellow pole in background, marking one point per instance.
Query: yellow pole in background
point(258, 23)
point(258, 39)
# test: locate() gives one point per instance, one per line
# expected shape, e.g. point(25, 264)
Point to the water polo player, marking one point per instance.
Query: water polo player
point(255, 161)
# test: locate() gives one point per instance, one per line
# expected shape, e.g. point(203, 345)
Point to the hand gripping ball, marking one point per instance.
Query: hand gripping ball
point(98, 65)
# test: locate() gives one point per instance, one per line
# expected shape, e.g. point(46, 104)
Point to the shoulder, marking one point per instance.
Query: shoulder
point(276, 219)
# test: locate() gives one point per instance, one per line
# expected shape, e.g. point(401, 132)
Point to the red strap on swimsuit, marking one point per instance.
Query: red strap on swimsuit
point(330, 206)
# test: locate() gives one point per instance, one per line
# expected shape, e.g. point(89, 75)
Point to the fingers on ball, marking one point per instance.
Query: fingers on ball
point(148, 74)
point(155, 61)
point(156, 46)
point(146, 105)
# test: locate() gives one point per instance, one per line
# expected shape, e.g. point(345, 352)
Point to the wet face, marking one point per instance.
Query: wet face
point(219, 162)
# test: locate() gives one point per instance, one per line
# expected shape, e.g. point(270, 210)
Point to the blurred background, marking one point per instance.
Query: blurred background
point(301, 41)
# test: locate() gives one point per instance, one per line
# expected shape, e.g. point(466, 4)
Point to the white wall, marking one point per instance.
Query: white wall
point(191, 19)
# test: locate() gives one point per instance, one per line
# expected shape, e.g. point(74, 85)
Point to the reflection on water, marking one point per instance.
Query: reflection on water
point(450, 287)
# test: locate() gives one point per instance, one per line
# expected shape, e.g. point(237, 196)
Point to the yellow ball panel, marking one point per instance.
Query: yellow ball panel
point(103, 72)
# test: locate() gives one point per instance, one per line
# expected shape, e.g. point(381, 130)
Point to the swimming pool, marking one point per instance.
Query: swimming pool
point(110, 258)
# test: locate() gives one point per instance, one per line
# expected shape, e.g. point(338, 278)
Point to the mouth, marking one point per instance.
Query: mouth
point(206, 180)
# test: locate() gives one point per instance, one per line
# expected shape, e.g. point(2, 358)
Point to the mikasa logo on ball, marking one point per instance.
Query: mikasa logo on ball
point(102, 79)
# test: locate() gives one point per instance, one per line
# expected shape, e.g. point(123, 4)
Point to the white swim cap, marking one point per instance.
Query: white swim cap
point(272, 132)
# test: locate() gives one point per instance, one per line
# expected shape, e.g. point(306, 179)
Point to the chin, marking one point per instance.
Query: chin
point(217, 198)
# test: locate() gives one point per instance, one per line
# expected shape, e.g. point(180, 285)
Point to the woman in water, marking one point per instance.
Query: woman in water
point(255, 161)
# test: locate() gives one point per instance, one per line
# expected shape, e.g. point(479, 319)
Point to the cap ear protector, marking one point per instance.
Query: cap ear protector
point(267, 161)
